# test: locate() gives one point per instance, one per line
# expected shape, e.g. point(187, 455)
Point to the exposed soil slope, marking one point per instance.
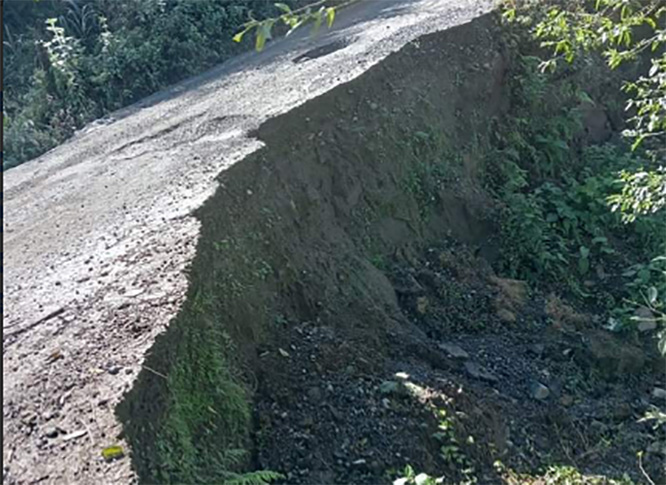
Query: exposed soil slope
point(327, 290)
point(97, 233)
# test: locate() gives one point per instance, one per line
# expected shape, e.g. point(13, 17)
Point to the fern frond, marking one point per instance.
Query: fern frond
point(261, 477)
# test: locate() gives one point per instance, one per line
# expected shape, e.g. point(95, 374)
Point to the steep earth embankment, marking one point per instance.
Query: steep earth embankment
point(343, 319)
point(98, 232)
point(385, 163)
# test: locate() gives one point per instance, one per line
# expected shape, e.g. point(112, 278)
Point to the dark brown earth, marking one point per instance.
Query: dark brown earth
point(100, 231)
point(331, 412)
point(323, 259)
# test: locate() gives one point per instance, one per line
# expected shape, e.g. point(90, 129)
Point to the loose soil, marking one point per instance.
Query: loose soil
point(330, 412)
point(325, 286)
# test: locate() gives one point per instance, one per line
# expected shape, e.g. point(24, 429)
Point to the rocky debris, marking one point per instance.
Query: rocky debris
point(114, 370)
point(314, 394)
point(539, 391)
point(51, 432)
point(453, 350)
point(537, 349)
point(362, 417)
point(479, 372)
point(510, 299)
point(659, 393)
point(422, 305)
point(647, 326)
point(392, 387)
point(609, 354)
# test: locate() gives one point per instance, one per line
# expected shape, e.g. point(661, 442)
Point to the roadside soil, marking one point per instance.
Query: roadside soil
point(513, 380)
point(98, 233)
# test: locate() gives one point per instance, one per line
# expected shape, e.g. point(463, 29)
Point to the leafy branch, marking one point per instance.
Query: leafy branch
point(292, 19)
point(611, 27)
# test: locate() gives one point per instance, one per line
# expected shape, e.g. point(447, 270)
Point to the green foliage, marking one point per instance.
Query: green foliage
point(202, 436)
point(409, 477)
point(67, 63)
point(253, 478)
point(567, 475)
point(621, 31)
point(643, 192)
point(556, 226)
point(647, 286)
point(292, 19)
point(430, 167)
point(555, 232)
point(449, 446)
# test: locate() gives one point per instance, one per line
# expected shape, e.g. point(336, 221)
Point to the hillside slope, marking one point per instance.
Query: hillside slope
point(98, 232)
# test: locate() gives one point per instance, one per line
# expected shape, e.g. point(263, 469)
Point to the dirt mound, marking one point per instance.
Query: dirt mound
point(297, 232)
point(469, 391)
point(322, 295)
point(98, 236)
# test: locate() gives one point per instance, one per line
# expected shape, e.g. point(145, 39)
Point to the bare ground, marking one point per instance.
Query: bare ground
point(98, 232)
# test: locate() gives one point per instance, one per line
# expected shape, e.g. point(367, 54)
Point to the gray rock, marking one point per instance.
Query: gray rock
point(454, 351)
point(598, 426)
point(51, 432)
point(539, 391)
point(389, 387)
point(307, 422)
point(657, 448)
point(314, 393)
point(537, 349)
point(645, 319)
point(659, 393)
point(478, 372)
point(647, 326)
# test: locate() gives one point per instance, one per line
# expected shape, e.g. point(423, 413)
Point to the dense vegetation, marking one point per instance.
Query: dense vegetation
point(67, 62)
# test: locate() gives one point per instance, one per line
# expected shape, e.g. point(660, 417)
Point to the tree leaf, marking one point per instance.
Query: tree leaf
point(296, 25)
point(248, 26)
point(283, 6)
point(263, 34)
point(583, 265)
point(652, 295)
point(318, 18)
point(330, 16)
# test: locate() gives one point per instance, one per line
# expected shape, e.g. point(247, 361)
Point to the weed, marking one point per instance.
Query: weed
point(556, 225)
point(557, 475)
point(431, 166)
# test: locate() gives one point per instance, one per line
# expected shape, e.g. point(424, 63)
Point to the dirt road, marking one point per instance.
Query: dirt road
point(98, 232)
